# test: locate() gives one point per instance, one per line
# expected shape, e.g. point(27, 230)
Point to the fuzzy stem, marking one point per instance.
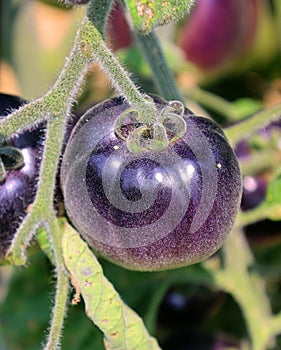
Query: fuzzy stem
point(31, 113)
point(262, 212)
point(246, 287)
point(119, 76)
point(61, 292)
point(162, 75)
point(260, 161)
point(42, 208)
point(247, 127)
point(59, 101)
point(213, 102)
point(99, 11)
point(44, 243)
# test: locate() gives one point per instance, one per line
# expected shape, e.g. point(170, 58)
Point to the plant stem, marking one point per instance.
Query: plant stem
point(44, 243)
point(118, 76)
point(42, 209)
point(88, 43)
point(60, 306)
point(260, 161)
point(214, 102)
point(247, 127)
point(155, 301)
point(31, 113)
point(98, 11)
point(246, 287)
point(163, 77)
point(262, 212)
point(251, 216)
point(52, 151)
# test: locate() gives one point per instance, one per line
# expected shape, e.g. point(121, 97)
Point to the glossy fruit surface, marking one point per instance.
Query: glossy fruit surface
point(17, 190)
point(150, 210)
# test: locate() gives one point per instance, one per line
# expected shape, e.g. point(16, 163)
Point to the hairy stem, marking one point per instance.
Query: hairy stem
point(53, 342)
point(58, 103)
point(247, 127)
point(213, 102)
point(260, 161)
point(259, 213)
point(42, 208)
point(119, 76)
point(247, 288)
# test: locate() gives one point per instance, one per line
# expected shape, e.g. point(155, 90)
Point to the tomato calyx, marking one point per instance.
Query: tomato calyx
point(156, 135)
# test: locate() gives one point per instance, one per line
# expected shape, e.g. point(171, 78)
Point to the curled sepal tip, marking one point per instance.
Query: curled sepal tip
point(156, 135)
point(2, 171)
point(11, 157)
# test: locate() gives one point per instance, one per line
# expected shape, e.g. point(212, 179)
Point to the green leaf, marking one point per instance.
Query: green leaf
point(246, 106)
point(148, 14)
point(272, 204)
point(123, 329)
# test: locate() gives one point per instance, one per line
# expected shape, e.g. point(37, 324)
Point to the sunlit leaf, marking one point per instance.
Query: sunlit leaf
point(123, 329)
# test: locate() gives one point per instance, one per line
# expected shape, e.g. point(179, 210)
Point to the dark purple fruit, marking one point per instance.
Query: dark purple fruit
point(149, 209)
point(217, 31)
point(263, 233)
point(187, 307)
point(254, 191)
point(18, 187)
point(195, 340)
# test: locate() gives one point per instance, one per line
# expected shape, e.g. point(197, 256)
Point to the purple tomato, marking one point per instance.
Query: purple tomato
point(18, 188)
point(149, 209)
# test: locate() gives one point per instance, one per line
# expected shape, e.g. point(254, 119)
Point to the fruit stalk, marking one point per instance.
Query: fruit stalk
point(42, 210)
point(61, 299)
point(247, 288)
point(162, 75)
point(119, 77)
point(245, 128)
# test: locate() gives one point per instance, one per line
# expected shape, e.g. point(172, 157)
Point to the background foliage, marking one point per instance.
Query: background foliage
point(229, 295)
